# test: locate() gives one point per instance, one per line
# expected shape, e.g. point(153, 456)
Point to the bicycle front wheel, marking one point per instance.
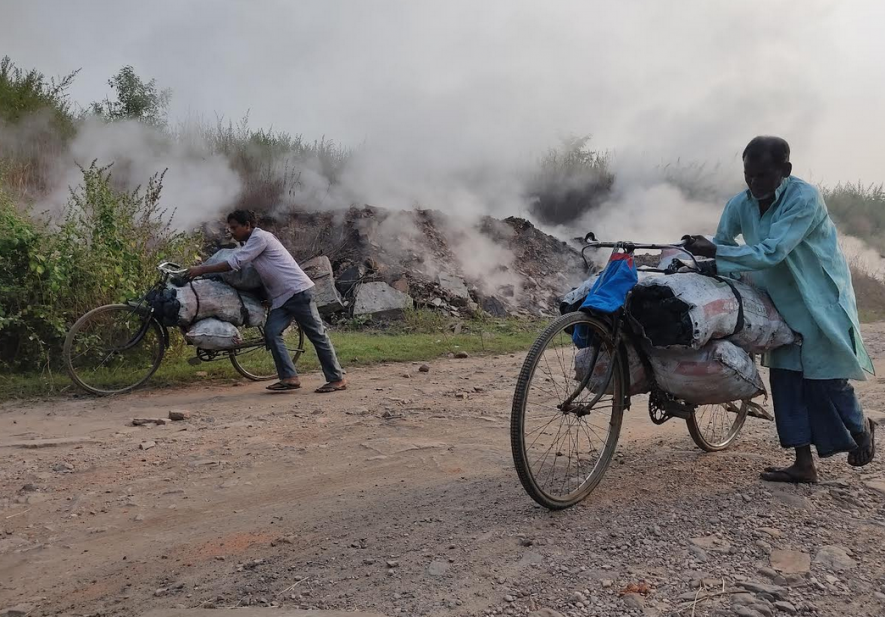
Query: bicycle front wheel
point(255, 361)
point(113, 349)
point(562, 449)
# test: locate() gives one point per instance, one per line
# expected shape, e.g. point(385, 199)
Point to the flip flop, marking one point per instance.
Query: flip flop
point(330, 388)
point(283, 387)
point(778, 474)
point(864, 455)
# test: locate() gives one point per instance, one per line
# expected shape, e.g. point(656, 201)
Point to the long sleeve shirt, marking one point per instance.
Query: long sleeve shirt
point(793, 253)
point(280, 274)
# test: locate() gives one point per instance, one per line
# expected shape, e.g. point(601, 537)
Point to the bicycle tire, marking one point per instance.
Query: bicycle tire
point(697, 431)
point(80, 323)
point(296, 354)
point(518, 425)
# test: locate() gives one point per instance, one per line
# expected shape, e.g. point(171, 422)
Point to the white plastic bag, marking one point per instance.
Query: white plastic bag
point(718, 373)
point(638, 376)
point(214, 334)
point(219, 300)
point(689, 310)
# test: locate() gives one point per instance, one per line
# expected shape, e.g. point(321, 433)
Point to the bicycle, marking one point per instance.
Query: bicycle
point(558, 417)
point(116, 348)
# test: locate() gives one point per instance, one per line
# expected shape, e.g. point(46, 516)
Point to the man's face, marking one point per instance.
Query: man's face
point(762, 176)
point(240, 233)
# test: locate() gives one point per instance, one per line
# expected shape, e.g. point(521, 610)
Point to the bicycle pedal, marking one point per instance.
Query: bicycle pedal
point(195, 361)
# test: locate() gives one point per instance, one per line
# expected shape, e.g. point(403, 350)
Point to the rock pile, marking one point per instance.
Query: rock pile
point(377, 262)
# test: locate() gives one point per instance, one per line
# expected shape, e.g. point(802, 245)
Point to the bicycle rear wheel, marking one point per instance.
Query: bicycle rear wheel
point(561, 451)
point(715, 427)
point(256, 362)
point(113, 349)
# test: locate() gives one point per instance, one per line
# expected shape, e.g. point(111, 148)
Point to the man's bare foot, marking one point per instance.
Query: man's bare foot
point(332, 386)
point(866, 447)
point(796, 474)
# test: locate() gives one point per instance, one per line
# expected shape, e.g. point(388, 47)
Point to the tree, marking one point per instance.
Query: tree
point(136, 99)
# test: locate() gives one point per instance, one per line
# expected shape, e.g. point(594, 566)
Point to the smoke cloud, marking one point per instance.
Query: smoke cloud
point(452, 103)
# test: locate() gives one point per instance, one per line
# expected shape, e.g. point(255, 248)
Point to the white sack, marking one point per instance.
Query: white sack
point(638, 377)
point(214, 334)
point(218, 300)
point(718, 373)
point(247, 278)
point(713, 313)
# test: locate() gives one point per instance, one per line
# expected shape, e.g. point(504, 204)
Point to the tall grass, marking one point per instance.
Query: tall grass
point(859, 210)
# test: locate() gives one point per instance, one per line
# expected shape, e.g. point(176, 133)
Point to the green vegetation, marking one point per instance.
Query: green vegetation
point(103, 250)
point(422, 337)
point(859, 210)
point(569, 181)
point(135, 100)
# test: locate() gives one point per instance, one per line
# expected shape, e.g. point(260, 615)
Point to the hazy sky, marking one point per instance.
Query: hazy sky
point(481, 82)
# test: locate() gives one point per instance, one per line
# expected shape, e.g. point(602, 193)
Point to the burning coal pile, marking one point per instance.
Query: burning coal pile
point(376, 262)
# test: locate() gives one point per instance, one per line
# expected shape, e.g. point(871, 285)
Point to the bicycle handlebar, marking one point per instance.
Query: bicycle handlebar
point(590, 242)
point(172, 269)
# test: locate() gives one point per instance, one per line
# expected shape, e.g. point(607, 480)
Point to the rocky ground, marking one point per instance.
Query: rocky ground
point(399, 496)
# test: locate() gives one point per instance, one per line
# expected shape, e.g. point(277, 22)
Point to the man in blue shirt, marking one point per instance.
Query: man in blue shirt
point(792, 250)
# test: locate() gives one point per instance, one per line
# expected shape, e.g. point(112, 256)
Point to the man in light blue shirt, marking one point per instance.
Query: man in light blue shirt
point(792, 250)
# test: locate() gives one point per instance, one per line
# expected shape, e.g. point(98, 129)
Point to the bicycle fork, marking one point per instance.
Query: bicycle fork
point(584, 409)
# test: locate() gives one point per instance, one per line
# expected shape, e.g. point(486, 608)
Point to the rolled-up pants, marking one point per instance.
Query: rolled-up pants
point(302, 309)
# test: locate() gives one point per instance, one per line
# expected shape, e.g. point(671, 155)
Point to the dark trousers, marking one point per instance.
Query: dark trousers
point(303, 310)
point(819, 412)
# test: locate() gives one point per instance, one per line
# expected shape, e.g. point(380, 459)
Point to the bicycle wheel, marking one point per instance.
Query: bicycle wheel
point(113, 349)
point(715, 427)
point(256, 362)
point(562, 451)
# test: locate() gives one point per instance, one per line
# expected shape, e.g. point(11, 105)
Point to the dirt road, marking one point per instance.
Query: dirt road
point(399, 496)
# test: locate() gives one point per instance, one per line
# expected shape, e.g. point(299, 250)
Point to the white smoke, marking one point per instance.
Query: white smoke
point(197, 181)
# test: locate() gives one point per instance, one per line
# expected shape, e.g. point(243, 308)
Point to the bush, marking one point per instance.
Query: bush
point(136, 99)
point(570, 181)
point(104, 250)
point(36, 121)
point(859, 210)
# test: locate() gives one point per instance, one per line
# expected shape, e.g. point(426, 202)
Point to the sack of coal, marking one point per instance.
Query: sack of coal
point(165, 305)
point(204, 298)
point(214, 334)
point(720, 372)
point(639, 383)
point(686, 311)
point(246, 278)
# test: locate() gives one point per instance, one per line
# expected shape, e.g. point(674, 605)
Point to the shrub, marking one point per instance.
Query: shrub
point(36, 120)
point(859, 210)
point(104, 250)
point(569, 182)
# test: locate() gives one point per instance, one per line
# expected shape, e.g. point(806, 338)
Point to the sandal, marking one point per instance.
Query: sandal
point(329, 387)
point(785, 475)
point(283, 387)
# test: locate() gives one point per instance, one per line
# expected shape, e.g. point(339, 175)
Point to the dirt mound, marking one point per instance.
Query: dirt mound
point(500, 266)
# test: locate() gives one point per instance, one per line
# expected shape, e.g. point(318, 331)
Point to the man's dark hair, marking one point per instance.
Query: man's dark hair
point(242, 217)
point(776, 147)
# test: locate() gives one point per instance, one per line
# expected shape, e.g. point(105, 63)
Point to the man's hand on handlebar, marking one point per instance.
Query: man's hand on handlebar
point(193, 272)
point(699, 246)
